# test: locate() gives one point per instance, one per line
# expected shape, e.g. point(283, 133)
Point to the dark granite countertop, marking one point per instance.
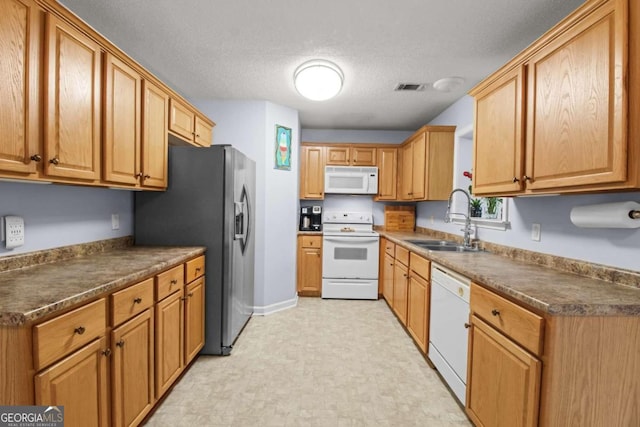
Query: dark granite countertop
point(544, 289)
point(27, 294)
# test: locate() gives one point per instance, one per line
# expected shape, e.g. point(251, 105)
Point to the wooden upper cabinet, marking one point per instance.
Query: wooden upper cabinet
point(499, 129)
point(351, 155)
point(418, 168)
point(312, 172)
point(426, 164)
point(182, 120)
point(576, 112)
point(387, 159)
point(338, 156)
point(558, 118)
point(72, 106)
point(405, 175)
point(20, 43)
point(203, 132)
point(155, 118)
point(121, 142)
point(188, 126)
point(363, 156)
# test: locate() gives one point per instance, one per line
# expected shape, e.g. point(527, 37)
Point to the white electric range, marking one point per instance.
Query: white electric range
point(350, 250)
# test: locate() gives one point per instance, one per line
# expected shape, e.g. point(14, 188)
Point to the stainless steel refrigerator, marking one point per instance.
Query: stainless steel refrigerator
point(209, 202)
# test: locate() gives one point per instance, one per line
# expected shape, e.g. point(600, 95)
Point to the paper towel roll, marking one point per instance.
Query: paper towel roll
point(606, 215)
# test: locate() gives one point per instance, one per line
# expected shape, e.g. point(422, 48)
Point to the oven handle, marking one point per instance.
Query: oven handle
point(354, 239)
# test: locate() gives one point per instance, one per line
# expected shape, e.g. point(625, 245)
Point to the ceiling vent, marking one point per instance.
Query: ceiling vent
point(409, 87)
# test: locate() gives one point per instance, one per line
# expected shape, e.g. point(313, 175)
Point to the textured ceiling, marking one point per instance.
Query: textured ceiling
point(249, 49)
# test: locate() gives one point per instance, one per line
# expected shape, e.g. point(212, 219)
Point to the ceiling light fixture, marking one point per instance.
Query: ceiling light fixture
point(448, 84)
point(318, 80)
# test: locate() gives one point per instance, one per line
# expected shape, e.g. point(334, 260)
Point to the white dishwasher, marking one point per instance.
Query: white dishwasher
point(448, 327)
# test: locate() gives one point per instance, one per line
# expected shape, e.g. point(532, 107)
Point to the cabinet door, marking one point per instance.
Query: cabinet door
point(338, 156)
point(387, 173)
point(387, 281)
point(400, 291)
point(155, 117)
point(577, 104)
point(310, 268)
point(406, 172)
point(419, 169)
point(363, 156)
point(181, 120)
point(498, 156)
point(203, 133)
point(20, 35)
point(121, 144)
point(418, 310)
point(312, 173)
point(503, 380)
point(133, 372)
point(169, 329)
point(72, 102)
point(194, 319)
point(80, 383)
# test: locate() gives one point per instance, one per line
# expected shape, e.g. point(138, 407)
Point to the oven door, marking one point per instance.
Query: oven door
point(350, 257)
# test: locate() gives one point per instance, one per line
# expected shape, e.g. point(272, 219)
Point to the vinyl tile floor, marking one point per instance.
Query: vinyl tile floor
point(322, 363)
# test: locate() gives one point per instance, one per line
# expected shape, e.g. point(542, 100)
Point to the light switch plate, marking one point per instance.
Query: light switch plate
point(13, 231)
point(535, 232)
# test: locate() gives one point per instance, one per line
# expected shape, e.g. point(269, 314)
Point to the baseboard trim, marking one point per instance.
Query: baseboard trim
point(274, 308)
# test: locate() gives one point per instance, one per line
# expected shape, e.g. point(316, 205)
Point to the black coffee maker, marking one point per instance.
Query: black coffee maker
point(311, 218)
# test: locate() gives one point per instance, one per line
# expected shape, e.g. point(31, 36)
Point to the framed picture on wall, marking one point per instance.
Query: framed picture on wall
point(283, 148)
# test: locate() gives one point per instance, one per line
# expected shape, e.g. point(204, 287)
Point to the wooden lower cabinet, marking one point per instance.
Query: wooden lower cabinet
point(503, 384)
point(387, 278)
point(169, 330)
point(133, 370)
point(194, 319)
point(400, 291)
point(418, 310)
point(309, 266)
point(80, 383)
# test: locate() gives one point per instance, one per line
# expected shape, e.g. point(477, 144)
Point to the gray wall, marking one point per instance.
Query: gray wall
point(60, 215)
point(613, 247)
point(250, 127)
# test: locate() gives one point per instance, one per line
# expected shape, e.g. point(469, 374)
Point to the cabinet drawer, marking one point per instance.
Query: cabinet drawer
point(402, 255)
point(420, 266)
point(517, 323)
point(62, 335)
point(311, 241)
point(195, 269)
point(390, 248)
point(169, 282)
point(130, 301)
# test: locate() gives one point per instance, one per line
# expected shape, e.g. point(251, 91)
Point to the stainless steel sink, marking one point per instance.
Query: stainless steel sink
point(442, 245)
point(433, 242)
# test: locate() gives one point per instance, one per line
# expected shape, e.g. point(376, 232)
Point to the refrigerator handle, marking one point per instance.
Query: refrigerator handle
point(239, 227)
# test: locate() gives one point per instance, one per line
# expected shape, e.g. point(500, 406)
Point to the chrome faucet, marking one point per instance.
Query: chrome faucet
point(467, 222)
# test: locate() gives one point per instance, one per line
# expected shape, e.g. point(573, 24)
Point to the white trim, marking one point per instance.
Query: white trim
point(274, 308)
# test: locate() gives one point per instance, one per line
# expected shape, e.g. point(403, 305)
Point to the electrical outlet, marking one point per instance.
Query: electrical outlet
point(13, 231)
point(115, 221)
point(535, 232)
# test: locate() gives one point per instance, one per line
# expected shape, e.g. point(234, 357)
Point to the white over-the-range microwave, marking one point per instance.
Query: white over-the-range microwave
point(350, 180)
